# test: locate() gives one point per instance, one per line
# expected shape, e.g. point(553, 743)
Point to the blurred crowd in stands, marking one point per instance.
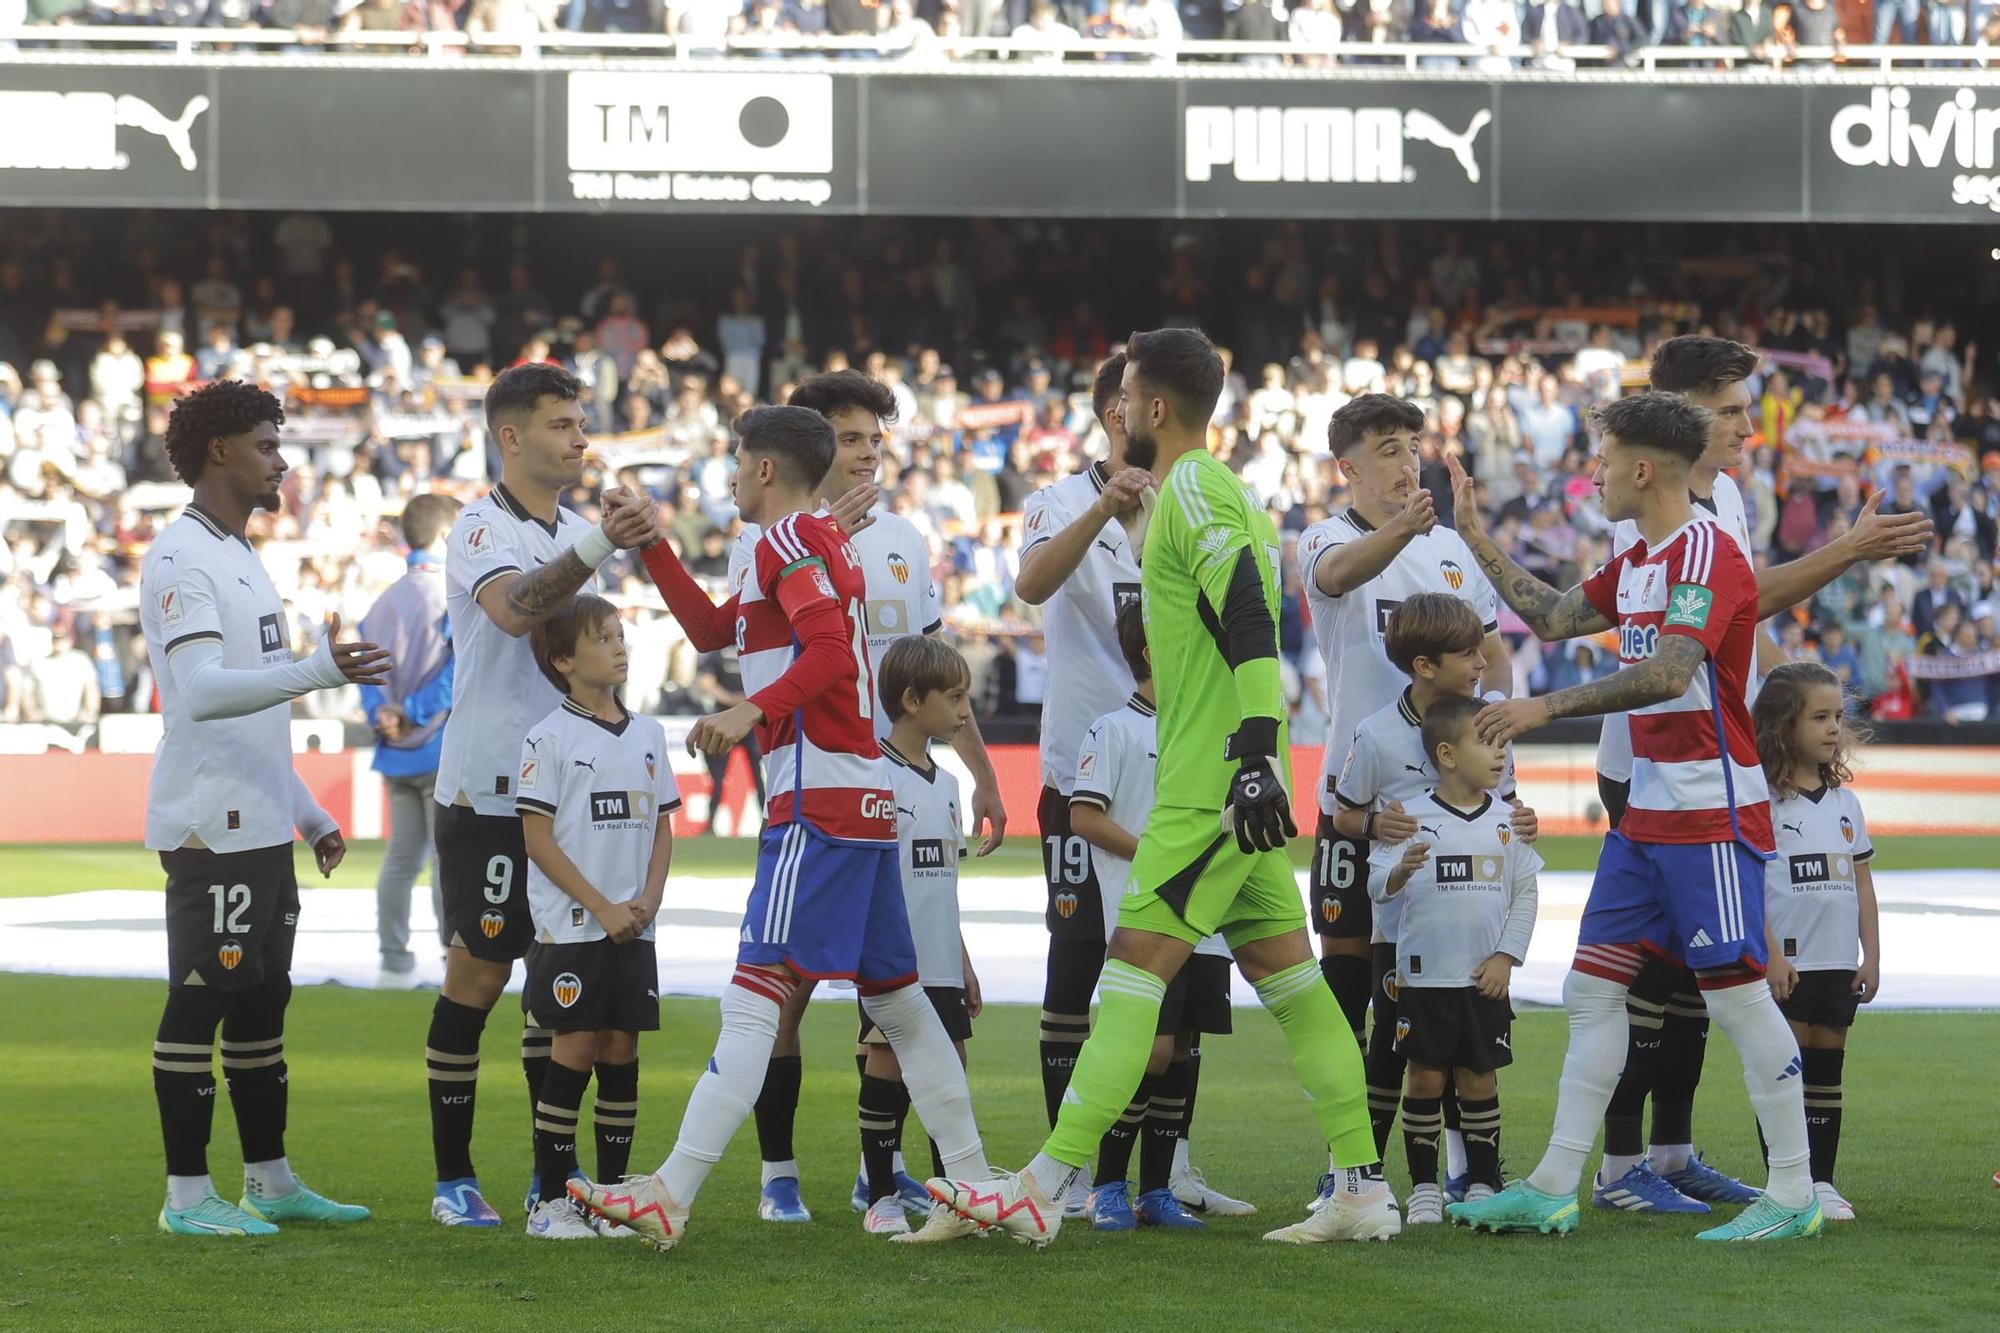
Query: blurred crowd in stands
point(1506, 34)
point(380, 335)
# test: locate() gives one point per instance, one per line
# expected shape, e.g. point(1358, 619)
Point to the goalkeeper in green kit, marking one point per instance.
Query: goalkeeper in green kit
point(1213, 857)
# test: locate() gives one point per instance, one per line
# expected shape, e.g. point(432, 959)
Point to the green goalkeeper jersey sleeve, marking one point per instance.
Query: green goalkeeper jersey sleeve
point(1203, 519)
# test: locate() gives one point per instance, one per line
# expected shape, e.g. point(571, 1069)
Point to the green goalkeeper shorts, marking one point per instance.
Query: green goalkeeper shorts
point(1190, 880)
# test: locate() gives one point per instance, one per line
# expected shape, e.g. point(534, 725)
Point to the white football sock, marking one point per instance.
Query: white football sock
point(785, 1170)
point(1591, 1066)
point(1667, 1158)
point(934, 1076)
point(1054, 1178)
point(184, 1192)
point(1454, 1153)
point(726, 1091)
point(1180, 1155)
point(268, 1180)
point(1616, 1165)
point(1775, 1077)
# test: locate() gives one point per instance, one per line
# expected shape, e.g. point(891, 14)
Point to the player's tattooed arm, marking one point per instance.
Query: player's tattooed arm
point(1663, 676)
point(1552, 615)
point(516, 603)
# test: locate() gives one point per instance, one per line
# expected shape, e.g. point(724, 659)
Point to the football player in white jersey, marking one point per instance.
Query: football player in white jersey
point(1080, 546)
point(513, 559)
point(222, 808)
point(1669, 1021)
point(1358, 566)
point(902, 599)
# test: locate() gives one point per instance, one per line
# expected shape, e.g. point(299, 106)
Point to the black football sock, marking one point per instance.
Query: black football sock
point(1482, 1140)
point(1423, 1133)
point(880, 1131)
point(557, 1111)
point(616, 1117)
point(1683, 1047)
point(1114, 1151)
point(184, 1075)
point(1384, 1069)
point(253, 1064)
point(1071, 976)
point(1823, 1108)
point(536, 1046)
point(451, 1055)
point(1166, 1121)
point(1347, 977)
point(778, 1107)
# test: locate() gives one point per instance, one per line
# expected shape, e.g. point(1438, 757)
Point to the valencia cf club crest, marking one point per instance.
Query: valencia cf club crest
point(1402, 1029)
point(568, 989)
point(1506, 835)
point(1453, 575)
point(1329, 910)
point(652, 766)
point(1065, 905)
point(491, 923)
point(1391, 986)
point(1847, 828)
point(229, 955)
point(899, 567)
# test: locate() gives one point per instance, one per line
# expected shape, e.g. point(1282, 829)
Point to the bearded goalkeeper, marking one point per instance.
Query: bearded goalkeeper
point(1212, 859)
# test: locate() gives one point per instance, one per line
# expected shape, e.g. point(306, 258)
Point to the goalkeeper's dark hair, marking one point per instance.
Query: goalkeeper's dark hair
point(838, 390)
point(558, 635)
point(1446, 721)
point(1104, 388)
point(213, 412)
point(1370, 414)
point(1696, 364)
point(1430, 625)
point(1132, 640)
point(1183, 367)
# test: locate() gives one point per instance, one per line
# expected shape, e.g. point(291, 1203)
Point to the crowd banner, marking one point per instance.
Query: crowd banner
point(884, 138)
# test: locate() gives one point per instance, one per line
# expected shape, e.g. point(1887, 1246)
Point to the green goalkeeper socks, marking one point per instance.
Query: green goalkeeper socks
point(1325, 1058)
point(1113, 1061)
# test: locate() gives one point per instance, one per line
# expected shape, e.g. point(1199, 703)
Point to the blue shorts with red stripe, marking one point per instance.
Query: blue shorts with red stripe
point(828, 909)
point(1701, 904)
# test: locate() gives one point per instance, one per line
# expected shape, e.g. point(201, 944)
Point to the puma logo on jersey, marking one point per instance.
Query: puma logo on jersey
point(1418, 769)
point(906, 810)
point(245, 582)
point(590, 764)
point(1794, 828)
point(1107, 546)
point(1427, 830)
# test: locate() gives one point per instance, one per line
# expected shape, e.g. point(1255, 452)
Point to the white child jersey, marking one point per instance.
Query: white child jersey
point(896, 569)
point(225, 784)
point(1614, 739)
point(930, 842)
point(1087, 671)
point(1474, 897)
point(606, 786)
point(497, 691)
point(1385, 764)
point(1360, 677)
point(1114, 772)
point(1810, 900)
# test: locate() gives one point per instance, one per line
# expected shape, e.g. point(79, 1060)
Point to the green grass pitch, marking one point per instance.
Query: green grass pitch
point(82, 1188)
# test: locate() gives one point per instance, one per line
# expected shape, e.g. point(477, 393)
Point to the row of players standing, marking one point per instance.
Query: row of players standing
point(515, 584)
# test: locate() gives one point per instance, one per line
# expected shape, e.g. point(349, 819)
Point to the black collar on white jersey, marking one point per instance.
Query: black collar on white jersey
point(518, 510)
point(895, 756)
point(615, 728)
point(213, 524)
point(1816, 795)
point(1140, 706)
point(1360, 524)
point(1467, 815)
point(1407, 710)
point(1099, 473)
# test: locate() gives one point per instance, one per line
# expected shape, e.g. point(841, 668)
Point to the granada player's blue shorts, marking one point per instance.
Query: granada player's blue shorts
point(1700, 904)
point(828, 909)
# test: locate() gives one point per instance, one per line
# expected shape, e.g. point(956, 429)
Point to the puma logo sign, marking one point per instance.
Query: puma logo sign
point(1426, 128)
point(1107, 547)
point(1798, 829)
point(1418, 769)
point(590, 764)
point(139, 114)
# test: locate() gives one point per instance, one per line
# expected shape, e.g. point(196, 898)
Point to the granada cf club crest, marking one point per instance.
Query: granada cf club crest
point(1506, 835)
point(1453, 575)
point(491, 923)
point(1329, 910)
point(899, 567)
point(229, 955)
point(1847, 828)
point(1402, 1028)
point(1065, 905)
point(568, 989)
